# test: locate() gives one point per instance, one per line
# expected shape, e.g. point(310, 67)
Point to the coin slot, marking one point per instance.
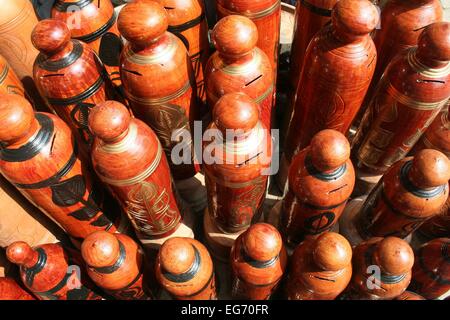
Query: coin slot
point(169, 8)
point(248, 160)
point(53, 75)
point(53, 143)
point(257, 78)
point(133, 72)
point(337, 189)
point(324, 279)
point(373, 59)
point(430, 81)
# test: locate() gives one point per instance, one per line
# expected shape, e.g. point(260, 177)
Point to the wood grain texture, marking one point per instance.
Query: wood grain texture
point(11, 290)
point(321, 179)
point(320, 268)
point(9, 82)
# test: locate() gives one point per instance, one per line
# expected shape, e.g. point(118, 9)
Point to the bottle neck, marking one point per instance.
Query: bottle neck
point(237, 59)
point(34, 129)
point(61, 54)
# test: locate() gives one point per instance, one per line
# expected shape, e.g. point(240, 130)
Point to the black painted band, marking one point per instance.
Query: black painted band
point(4, 73)
point(187, 25)
point(54, 179)
point(188, 275)
point(317, 10)
point(33, 147)
point(408, 185)
point(30, 273)
point(256, 263)
point(99, 32)
point(49, 65)
point(384, 278)
point(120, 261)
point(62, 6)
point(79, 98)
point(336, 174)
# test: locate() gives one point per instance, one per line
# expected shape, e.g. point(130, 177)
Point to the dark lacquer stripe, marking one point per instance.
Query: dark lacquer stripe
point(408, 185)
point(317, 10)
point(188, 275)
point(49, 65)
point(79, 98)
point(120, 261)
point(336, 174)
point(99, 32)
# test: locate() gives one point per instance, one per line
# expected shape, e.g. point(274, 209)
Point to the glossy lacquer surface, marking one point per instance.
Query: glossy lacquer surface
point(9, 82)
point(11, 290)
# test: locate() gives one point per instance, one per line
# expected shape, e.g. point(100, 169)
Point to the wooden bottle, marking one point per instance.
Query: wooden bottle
point(94, 23)
point(412, 191)
point(116, 264)
point(11, 290)
point(258, 260)
point(187, 21)
point(9, 82)
point(39, 157)
point(400, 27)
point(320, 268)
point(437, 135)
point(21, 221)
point(408, 295)
point(310, 17)
point(16, 24)
point(70, 76)
point(236, 163)
point(321, 179)
point(431, 272)
point(50, 273)
point(410, 95)
point(184, 269)
point(266, 14)
point(381, 269)
point(129, 159)
point(169, 107)
point(239, 66)
point(339, 64)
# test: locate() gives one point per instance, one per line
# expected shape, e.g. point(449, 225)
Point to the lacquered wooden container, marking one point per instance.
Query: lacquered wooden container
point(129, 159)
point(310, 17)
point(339, 63)
point(9, 82)
point(115, 263)
point(258, 262)
point(50, 272)
point(381, 269)
point(239, 66)
point(431, 272)
point(94, 23)
point(187, 21)
point(169, 107)
point(70, 76)
point(237, 156)
point(266, 14)
point(438, 226)
point(412, 191)
point(11, 290)
point(321, 179)
point(185, 270)
point(414, 88)
point(39, 156)
point(320, 268)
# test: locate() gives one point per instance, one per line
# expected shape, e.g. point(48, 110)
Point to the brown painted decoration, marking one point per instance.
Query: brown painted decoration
point(128, 157)
point(236, 175)
point(11, 290)
point(70, 76)
point(94, 22)
point(258, 260)
point(115, 262)
point(412, 191)
point(159, 81)
point(339, 66)
point(185, 270)
point(239, 66)
point(310, 17)
point(381, 269)
point(321, 179)
point(266, 14)
point(9, 82)
point(431, 272)
point(39, 156)
point(413, 90)
point(320, 268)
point(50, 273)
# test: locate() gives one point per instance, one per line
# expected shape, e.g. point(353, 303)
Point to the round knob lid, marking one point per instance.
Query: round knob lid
point(262, 242)
point(16, 117)
point(332, 252)
point(109, 120)
point(430, 168)
point(434, 42)
point(329, 149)
point(50, 36)
point(177, 255)
point(355, 17)
point(100, 249)
point(235, 111)
point(20, 253)
point(235, 35)
point(394, 256)
point(142, 22)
